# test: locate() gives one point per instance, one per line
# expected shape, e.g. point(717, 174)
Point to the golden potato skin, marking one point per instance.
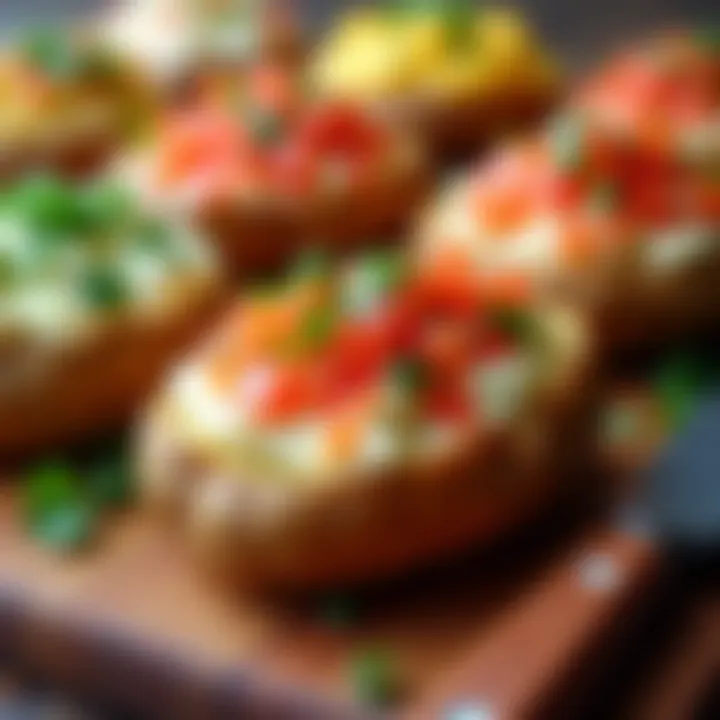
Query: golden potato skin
point(457, 129)
point(636, 308)
point(263, 534)
point(54, 396)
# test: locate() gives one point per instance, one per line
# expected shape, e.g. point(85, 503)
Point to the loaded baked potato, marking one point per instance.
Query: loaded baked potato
point(65, 103)
point(661, 98)
point(96, 297)
point(461, 74)
point(355, 425)
point(175, 41)
point(628, 228)
point(265, 169)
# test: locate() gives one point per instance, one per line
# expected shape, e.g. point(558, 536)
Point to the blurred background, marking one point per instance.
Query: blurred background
point(580, 31)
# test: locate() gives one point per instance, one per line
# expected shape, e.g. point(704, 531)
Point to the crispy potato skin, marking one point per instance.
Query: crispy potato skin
point(72, 156)
point(635, 308)
point(53, 396)
point(267, 535)
point(456, 130)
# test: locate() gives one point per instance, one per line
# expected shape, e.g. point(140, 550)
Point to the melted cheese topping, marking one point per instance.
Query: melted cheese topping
point(375, 53)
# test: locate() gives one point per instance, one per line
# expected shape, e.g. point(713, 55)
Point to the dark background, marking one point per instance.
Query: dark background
point(581, 30)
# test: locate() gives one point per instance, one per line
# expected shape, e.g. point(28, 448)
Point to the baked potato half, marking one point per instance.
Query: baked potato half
point(460, 75)
point(66, 103)
point(266, 170)
point(606, 205)
point(96, 298)
point(360, 425)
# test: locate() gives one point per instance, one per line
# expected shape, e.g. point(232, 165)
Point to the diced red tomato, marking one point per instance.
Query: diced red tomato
point(340, 130)
point(274, 393)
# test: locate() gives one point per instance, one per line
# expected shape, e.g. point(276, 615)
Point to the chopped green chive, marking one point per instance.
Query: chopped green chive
point(311, 264)
point(517, 323)
point(605, 197)
point(410, 375)
point(318, 326)
point(103, 288)
point(567, 140)
point(266, 127)
point(371, 279)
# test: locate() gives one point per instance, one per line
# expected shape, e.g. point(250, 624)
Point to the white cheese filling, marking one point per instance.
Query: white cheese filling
point(301, 449)
point(39, 287)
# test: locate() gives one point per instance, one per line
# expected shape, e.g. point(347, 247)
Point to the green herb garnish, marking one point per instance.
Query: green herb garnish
point(605, 197)
point(57, 508)
point(375, 678)
point(266, 126)
point(311, 264)
point(318, 326)
point(409, 375)
point(63, 59)
point(65, 501)
point(567, 142)
point(103, 288)
point(518, 323)
point(371, 279)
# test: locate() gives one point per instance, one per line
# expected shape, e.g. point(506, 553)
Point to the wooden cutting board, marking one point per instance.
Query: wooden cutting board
point(135, 622)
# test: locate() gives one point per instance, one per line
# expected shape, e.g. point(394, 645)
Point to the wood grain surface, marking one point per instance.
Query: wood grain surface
point(134, 622)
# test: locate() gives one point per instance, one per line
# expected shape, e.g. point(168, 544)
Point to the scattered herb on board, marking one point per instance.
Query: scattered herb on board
point(64, 501)
point(58, 510)
point(375, 677)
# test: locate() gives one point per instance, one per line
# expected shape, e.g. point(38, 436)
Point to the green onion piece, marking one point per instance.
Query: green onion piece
point(311, 264)
point(409, 375)
point(605, 197)
point(518, 323)
point(63, 59)
point(371, 279)
point(103, 288)
point(266, 127)
point(567, 141)
point(109, 479)
point(318, 327)
point(375, 678)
